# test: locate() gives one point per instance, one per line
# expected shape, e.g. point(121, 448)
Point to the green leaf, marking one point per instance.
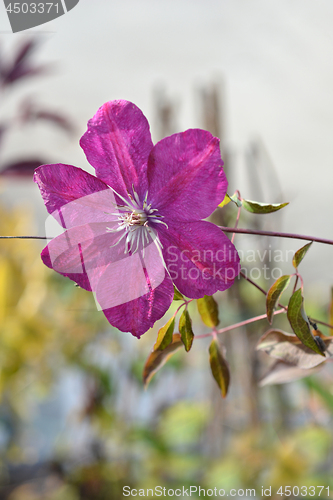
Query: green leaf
point(157, 359)
point(208, 310)
point(164, 336)
point(299, 322)
point(227, 199)
point(225, 202)
point(177, 295)
point(256, 207)
point(236, 199)
point(274, 294)
point(300, 254)
point(219, 367)
point(185, 329)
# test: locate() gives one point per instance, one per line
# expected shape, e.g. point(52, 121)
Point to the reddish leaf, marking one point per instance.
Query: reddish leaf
point(30, 112)
point(177, 294)
point(219, 367)
point(21, 66)
point(25, 51)
point(281, 373)
point(24, 168)
point(164, 336)
point(157, 359)
point(300, 254)
point(208, 310)
point(256, 207)
point(274, 294)
point(288, 348)
point(299, 322)
point(185, 329)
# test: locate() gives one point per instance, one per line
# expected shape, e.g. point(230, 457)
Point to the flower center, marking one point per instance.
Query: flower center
point(134, 218)
point(134, 221)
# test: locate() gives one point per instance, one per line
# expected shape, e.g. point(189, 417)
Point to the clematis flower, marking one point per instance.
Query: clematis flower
point(136, 228)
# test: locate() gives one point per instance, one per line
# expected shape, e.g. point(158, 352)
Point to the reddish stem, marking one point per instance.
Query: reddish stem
point(237, 220)
point(301, 280)
point(185, 303)
point(226, 230)
point(296, 281)
point(237, 325)
point(275, 234)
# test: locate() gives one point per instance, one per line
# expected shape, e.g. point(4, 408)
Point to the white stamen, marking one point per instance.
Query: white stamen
point(135, 222)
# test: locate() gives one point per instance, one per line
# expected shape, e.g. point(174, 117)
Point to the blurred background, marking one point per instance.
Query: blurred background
point(75, 421)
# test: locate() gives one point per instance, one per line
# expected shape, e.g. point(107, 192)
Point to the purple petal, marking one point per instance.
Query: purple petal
point(83, 253)
point(185, 176)
point(128, 276)
point(61, 184)
point(200, 258)
point(117, 144)
point(80, 278)
point(138, 315)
